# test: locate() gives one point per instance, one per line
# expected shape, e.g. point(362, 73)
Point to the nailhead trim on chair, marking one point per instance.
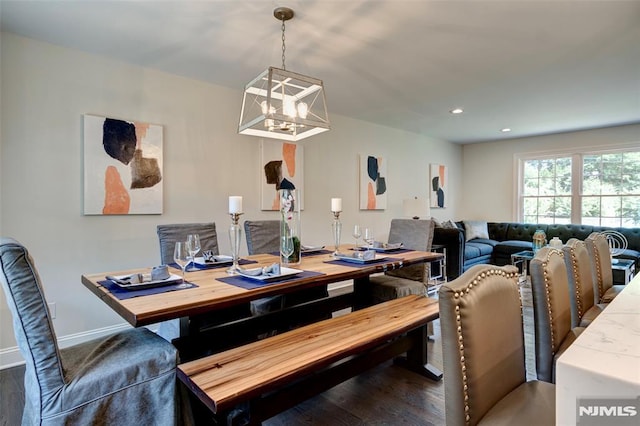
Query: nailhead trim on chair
point(578, 286)
point(458, 295)
point(596, 254)
point(548, 292)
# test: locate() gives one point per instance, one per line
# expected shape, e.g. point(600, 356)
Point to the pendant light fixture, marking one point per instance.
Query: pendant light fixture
point(281, 104)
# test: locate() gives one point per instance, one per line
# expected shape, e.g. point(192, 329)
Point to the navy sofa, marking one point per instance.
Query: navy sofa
point(506, 238)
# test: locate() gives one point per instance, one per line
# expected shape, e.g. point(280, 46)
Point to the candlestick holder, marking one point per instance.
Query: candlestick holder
point(337, 230)
point(235, 236)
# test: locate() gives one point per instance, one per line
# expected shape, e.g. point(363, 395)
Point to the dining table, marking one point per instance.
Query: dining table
point(212, 289)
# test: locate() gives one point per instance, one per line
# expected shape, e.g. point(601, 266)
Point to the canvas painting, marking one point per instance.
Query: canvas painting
point(373, 182)
point(282, 165)
point(438, 175)
point(122, 167)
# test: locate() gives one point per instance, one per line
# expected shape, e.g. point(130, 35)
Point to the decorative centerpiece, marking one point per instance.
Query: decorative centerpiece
point(539, 240)
point(289, 227)
point(235, 232)
point(336, 209)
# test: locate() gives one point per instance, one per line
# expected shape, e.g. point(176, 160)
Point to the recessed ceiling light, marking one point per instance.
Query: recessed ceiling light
point(505, 130)
point(457, 111)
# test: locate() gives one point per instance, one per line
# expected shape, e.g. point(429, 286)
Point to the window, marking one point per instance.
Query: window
point(600, 189)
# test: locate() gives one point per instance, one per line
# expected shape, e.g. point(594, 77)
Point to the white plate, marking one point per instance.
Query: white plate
point(173, 279)
point(354, 259)
point(284, 272)
point(219, 259)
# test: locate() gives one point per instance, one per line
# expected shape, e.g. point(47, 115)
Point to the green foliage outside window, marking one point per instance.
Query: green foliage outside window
point(610, 189)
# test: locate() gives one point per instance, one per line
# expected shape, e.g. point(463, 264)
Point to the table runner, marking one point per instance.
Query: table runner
point(305, 254)
point(248, 283)
point(394, 251)
point(122, 294)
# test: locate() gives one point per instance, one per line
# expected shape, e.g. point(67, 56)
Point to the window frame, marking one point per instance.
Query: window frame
point(577, 158)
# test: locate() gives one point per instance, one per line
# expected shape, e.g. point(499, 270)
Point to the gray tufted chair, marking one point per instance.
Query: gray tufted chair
point(414, 234)
point(581, 285)
point(600, 253)
point(483, 353)
point(168, 235)
point(112, 380)
point(551, 310)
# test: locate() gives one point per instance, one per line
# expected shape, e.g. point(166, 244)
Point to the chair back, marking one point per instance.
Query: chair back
point(263, 236)
point(482, 341)
point(600, 253)
point(551, 308)
point(414, 234)
point(172, 233)
point(579, 272)
point(32, 325)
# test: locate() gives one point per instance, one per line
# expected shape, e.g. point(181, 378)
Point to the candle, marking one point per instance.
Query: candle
point(235, 204)
point(336, 204)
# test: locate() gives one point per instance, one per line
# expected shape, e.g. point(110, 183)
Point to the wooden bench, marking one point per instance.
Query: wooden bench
point(252, 383)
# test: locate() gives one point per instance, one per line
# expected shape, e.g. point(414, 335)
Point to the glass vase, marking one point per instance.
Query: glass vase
point(290, 224)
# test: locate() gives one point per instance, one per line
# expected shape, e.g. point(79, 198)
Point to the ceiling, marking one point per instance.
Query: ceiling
point(536, 67)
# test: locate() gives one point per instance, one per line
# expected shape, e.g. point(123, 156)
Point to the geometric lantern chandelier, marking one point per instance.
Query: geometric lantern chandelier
point(281, 104)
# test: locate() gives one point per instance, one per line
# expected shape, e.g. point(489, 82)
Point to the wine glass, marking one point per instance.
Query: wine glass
point(193, 246)
point(357, 233)
point(369, 237)
point(182, 256)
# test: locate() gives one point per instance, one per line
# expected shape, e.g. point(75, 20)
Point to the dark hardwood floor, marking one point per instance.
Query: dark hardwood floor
point(385, 395)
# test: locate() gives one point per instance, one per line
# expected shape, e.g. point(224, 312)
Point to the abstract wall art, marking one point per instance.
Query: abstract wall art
point(282, 167)
point(438, 185)
point(373, 182)
point(122, 167)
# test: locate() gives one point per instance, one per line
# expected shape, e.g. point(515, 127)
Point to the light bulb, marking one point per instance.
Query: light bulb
point(271, 110)
point(303, 109)
point(289, 107)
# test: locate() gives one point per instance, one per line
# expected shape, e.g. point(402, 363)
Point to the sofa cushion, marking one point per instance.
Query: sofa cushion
point(476, 229)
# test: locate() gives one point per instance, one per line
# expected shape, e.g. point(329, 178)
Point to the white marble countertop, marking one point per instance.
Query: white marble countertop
point(604, 361)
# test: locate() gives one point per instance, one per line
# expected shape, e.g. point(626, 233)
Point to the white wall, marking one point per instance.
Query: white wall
point(489, 173)
point(46, 89)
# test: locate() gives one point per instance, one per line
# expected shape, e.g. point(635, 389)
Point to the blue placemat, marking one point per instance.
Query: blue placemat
point(394, 251)
point(359, 265)
point(313, 253)
point(214, 265)
point(248, 283)
point(122, 294)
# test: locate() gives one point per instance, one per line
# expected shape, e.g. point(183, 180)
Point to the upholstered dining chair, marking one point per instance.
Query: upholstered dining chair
point(168, 235)
point(581, 285)
point(600, 253)
point(551, 310)
point(414, 234)
point(483, 353)
point(111, 380)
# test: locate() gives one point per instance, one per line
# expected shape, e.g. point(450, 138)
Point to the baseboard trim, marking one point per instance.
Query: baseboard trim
point(11, 357)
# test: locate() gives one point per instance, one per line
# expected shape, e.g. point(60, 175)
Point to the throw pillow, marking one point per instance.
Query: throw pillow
point(449, 224)
point(475, 229)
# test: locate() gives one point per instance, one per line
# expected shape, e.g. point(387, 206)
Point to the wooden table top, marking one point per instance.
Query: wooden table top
point(212, 294)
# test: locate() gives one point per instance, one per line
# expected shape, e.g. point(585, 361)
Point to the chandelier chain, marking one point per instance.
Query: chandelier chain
point(283, 46)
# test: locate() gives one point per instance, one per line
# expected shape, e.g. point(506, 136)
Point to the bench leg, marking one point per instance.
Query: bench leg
point(416, 359)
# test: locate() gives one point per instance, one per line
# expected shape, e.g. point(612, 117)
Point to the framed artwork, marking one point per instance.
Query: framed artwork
point(438, 181)
point(282, 167)
point(373, 182)
point(122, 167)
